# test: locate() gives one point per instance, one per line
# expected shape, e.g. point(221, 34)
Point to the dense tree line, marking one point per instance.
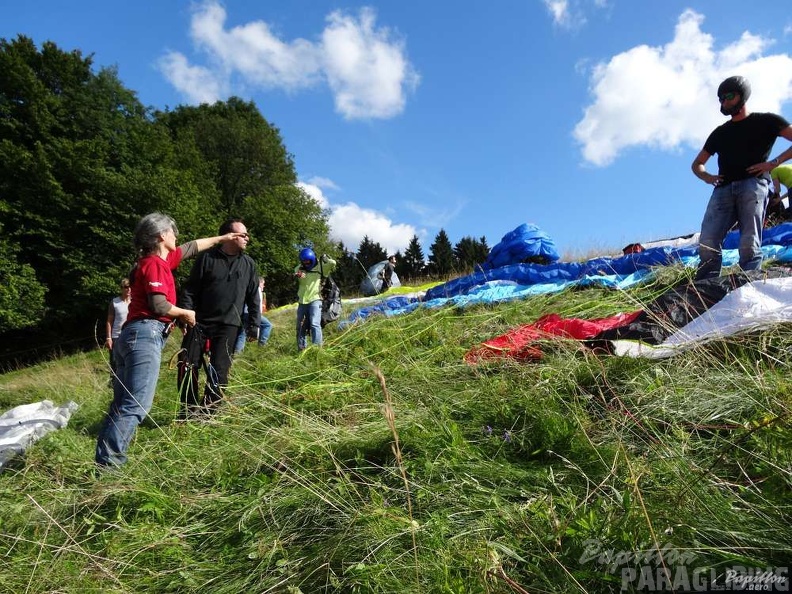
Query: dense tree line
point(81, 160)
point(444, 259)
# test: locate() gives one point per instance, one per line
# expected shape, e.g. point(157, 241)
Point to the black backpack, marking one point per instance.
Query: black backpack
point(331, 299)
point(193, 354)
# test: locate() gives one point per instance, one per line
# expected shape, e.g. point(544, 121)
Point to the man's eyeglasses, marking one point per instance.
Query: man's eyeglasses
point(727, 97)
point(243, 236)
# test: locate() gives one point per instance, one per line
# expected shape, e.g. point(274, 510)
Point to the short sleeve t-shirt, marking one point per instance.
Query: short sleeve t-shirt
point(744, 143)
point(783, 173)
point(120, 313)
point(153, 275)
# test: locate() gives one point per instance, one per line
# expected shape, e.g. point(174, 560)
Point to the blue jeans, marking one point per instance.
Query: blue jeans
point(742, 202)
point(265, 329)
point(138, 352)
point(309, 317)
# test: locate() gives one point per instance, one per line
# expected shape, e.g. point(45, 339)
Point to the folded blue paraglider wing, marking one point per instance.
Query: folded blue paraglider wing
point(778, 235)
point(561, 272)
point(518, 281)
point(520, 245)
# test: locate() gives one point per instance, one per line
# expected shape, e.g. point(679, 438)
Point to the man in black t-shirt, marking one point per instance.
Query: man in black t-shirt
point(743, 146)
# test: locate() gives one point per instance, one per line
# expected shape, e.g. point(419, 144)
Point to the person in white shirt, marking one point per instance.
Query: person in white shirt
point(116, 316)
point(265, 327)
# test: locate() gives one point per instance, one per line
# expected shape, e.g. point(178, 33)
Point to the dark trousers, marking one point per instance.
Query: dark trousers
point(215, 342)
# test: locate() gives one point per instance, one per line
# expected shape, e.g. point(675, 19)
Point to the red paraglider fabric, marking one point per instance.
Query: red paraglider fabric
point(521, 342)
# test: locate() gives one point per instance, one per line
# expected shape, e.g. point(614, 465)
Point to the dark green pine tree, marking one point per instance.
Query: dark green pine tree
point(348, 273)
point(441, 255)
point(400, 267)
point(485, 249)
point(470, 252)
point(414, 263)
point(370, 252)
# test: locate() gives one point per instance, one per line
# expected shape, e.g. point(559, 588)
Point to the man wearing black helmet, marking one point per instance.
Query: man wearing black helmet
point(743, 146)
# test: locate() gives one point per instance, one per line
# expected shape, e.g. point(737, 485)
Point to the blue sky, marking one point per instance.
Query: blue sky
point(405, 117)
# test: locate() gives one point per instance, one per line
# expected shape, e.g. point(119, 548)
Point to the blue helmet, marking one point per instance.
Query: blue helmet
point(307, 255)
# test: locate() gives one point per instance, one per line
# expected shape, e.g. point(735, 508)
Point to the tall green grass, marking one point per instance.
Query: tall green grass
point(383, 463)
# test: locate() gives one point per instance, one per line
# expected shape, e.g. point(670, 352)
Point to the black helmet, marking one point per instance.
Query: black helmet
point(735, 84)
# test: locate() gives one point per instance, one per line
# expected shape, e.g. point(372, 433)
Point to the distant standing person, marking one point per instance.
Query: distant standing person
point(309, 296)
point(265, 327)
point(151, 315)
point(743, 146)
point(780, 175)
point(117, 312)
point(221, 283)
point(387, 274)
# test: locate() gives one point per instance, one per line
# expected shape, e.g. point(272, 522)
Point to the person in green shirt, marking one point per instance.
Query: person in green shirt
point(781, 175)
point(310, 273)
point(777, 211)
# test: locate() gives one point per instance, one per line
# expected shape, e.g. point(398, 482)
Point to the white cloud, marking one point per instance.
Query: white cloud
point(323, 182)
point(199, 84)
point(560, 11)
point(253, 52)
point(664, 97)
point(365, 67)
point(434, 217)
point(314, 192)
point(571, 14)
point(350, 223)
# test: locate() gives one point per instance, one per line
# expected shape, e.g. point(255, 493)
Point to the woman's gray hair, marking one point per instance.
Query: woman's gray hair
point(148, 231)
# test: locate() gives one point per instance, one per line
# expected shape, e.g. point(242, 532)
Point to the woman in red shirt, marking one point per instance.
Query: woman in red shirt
point(152, 312)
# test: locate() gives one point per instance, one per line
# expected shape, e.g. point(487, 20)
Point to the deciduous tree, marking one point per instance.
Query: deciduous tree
point(80, 162)
point(247, 172)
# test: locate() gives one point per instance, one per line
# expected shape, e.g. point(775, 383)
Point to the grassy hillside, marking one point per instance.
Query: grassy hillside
point(383, 463)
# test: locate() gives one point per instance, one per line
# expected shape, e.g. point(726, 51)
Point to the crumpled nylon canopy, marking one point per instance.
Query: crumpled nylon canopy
point(754, 306)
point(518, 281)
point(690, 312)
point(23, 425)
point(518, 246)
point(522, 343)
point(372, 285)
